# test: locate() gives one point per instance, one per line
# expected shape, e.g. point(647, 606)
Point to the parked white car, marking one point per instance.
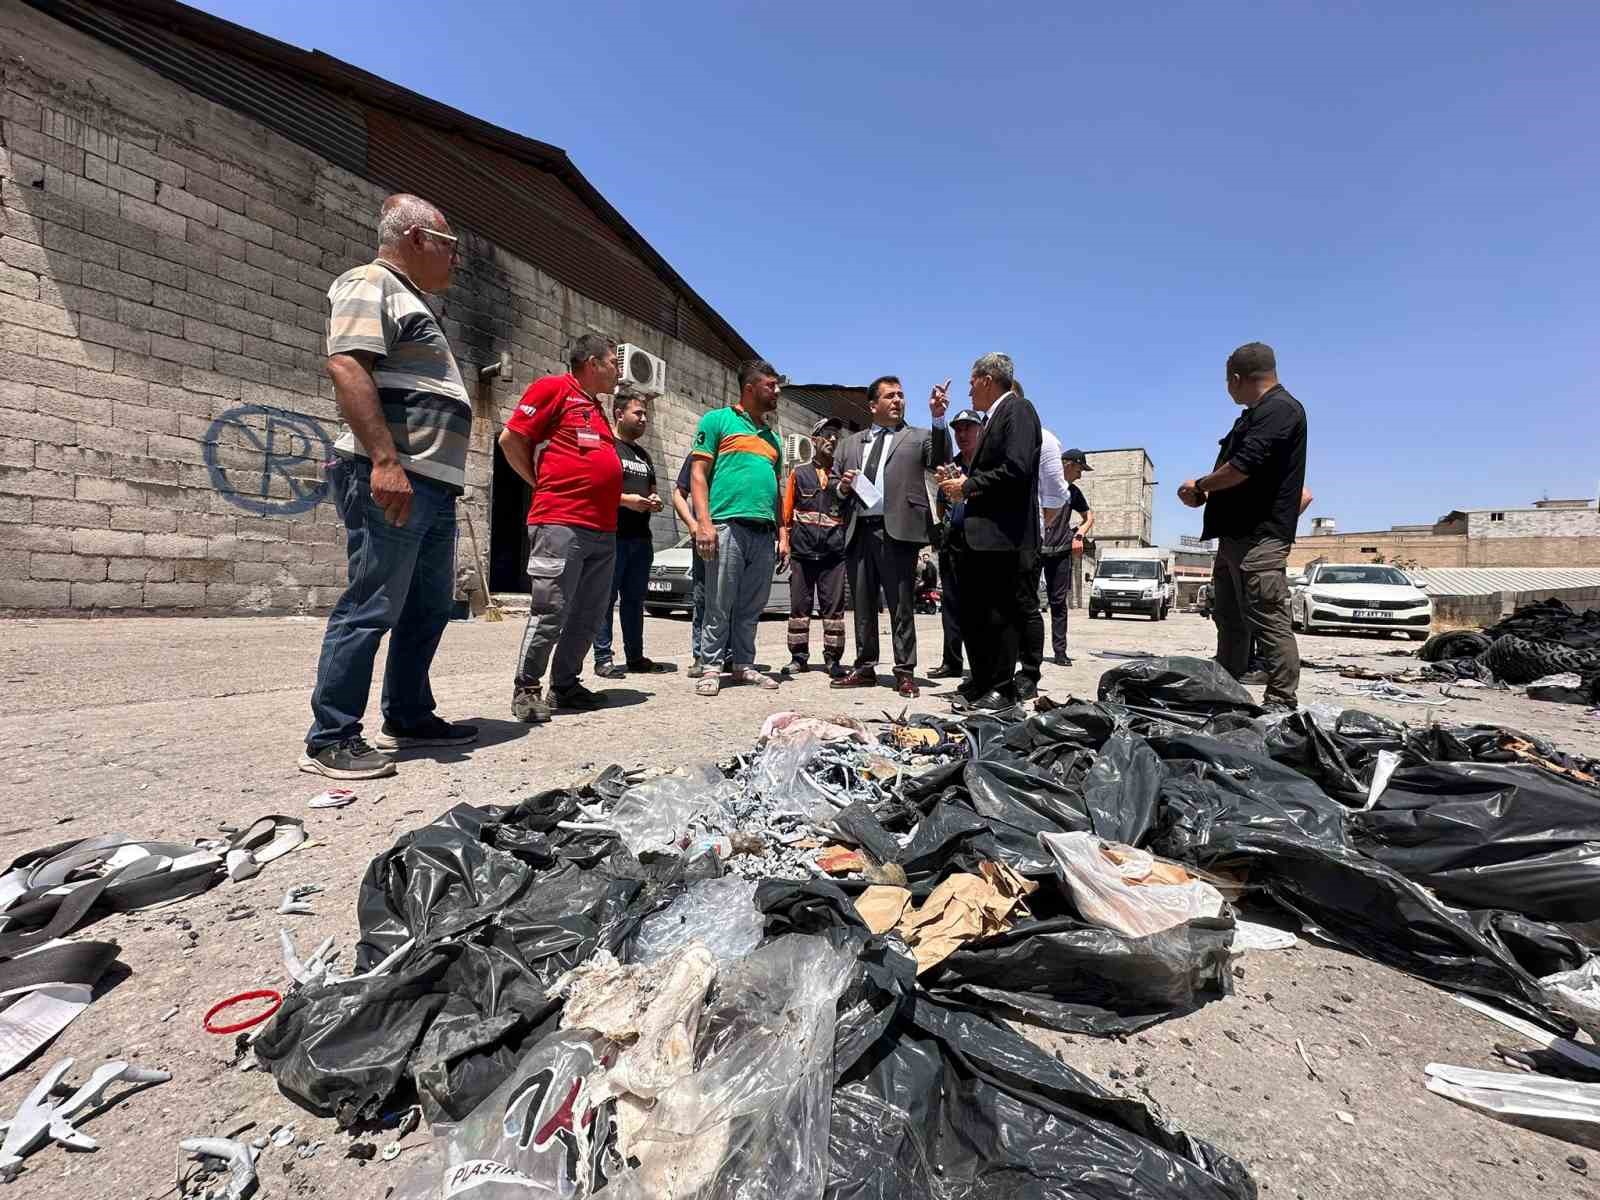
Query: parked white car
point(1368, 596)
point(671, 585)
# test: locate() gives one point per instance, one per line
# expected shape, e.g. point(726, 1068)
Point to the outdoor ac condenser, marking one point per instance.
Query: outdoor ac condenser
point(643, 370)
point(796, 449)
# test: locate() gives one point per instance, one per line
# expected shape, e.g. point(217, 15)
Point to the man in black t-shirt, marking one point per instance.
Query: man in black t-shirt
point(1252, 500)
point(1062, 541)
point(630, 414)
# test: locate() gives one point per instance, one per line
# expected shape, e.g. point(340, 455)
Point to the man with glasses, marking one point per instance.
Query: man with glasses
point(396, 473)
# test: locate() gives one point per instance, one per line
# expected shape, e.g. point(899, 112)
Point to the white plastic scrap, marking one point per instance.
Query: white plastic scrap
point(1577, 993)
point(1562, 1106)
point(239, 1157)
point(38, 1121)
point(1568, 1049)
point(1382, 770)
point(1116, 896)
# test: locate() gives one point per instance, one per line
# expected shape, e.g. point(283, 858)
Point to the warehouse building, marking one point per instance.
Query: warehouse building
point(178, 193)
point(1546, 533)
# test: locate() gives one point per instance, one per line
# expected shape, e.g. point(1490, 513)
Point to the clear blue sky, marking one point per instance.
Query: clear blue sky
point(1403, 199)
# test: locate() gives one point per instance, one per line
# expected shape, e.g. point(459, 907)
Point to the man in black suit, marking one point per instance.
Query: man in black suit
point(882, 475)
point(1001, 530)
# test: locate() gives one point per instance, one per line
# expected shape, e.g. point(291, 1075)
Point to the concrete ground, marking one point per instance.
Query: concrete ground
point(172, 727)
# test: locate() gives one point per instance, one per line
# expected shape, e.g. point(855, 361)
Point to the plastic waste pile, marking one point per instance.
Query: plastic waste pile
point(585, 999)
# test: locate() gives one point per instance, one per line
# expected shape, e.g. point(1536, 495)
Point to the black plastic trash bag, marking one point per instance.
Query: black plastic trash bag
point(946, 1104)
point(1189, 689)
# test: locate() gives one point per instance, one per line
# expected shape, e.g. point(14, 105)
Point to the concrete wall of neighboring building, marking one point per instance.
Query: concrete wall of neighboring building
point(1475, 612)
point(1119, 489)
point(163, 409)
point(1426, 550)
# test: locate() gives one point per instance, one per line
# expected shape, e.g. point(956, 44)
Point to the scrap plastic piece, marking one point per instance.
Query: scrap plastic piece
point(332, 798)
point(241, 1162)
point(1568, 1049)
point(655, 816)
point(1563, 1108)
point(720, 914)
point(1126, 889)
point(294, 904)
point(38, 1121)
point(1577, 993)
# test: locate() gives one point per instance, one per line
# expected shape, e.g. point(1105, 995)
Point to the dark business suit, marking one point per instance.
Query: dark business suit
point(1001, 533)
point(882, 551)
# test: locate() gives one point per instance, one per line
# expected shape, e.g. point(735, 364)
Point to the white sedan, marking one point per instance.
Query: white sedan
point(1368, 596)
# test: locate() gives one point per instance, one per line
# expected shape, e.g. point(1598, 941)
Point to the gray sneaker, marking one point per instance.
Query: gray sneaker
point(349, 759)
point(528, 704)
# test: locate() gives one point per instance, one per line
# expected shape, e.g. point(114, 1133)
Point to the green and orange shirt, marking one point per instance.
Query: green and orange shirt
point(746, 462)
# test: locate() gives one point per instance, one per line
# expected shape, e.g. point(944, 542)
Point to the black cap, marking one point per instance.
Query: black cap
point(1076, 456)
point(966, 414)
point(825, 423)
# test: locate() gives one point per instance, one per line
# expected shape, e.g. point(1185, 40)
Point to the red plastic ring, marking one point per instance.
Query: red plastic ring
point(263, 994)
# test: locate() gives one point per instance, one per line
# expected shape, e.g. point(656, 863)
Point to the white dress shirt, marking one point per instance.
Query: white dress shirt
point(888, 436)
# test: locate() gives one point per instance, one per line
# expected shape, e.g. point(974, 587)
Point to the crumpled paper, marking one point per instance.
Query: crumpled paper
point(963, 907)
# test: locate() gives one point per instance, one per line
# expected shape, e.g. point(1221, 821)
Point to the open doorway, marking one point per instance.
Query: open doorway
point(508, 528)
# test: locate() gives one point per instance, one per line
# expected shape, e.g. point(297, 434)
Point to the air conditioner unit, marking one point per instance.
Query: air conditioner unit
point(641, 369)
point(797, 448)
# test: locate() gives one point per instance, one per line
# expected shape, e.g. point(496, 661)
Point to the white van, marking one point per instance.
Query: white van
point(1131, 581)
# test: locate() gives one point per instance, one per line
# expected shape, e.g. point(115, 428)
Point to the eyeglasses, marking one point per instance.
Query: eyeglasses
point(452, 239)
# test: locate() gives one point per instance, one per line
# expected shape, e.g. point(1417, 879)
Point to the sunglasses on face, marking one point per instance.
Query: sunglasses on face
point(451, 239)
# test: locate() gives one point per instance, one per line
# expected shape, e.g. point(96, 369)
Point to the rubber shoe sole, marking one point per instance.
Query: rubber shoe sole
point(391, 741)
point(314, 766)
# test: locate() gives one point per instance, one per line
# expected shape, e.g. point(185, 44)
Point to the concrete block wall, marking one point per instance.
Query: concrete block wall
point(1118, 490)
point(164, 263)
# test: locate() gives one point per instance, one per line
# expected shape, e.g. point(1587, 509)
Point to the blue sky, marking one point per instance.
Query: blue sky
point(1401, 198)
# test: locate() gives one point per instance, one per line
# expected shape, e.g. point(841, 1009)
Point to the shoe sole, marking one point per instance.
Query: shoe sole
point(388, 741)
point(313, 767)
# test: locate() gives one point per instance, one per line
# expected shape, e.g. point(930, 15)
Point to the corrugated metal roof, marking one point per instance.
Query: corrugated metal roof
point(1481, 581)
point(522, 194)
point(847, 403)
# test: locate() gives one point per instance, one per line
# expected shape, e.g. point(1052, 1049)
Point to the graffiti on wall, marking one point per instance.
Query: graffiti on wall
point(287, 478)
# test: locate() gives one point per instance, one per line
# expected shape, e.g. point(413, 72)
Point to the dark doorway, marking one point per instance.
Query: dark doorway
point(508, 528)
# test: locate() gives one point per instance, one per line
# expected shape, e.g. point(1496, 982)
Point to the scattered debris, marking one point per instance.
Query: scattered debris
point(238, 1157)
point(1345, 1117)
point(293, 903)
point(168, 1015)
point(362, 1151)
point(332, 798)
point(1126, 889)
point(1300, 1049)
point(37, 1120)
point(1563, 1108)
point(274, 1000)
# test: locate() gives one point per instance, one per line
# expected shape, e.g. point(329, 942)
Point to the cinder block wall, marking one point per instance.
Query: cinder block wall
point(1119, 491)
point(163, 412)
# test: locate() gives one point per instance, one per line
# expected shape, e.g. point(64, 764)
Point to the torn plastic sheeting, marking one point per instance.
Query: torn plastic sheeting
point(1490, 835)
point(948, 1105)
point(1577, 993)
point(656, 814)
point(1128, 890)
point(500, 904)
point(750, 1122)
point(1122, 789)
point(1561, 1108)
point(47, 987)
point(719, 913)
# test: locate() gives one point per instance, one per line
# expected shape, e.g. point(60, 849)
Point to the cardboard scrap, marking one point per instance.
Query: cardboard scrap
point(841, 860)
point(960, 909)
point(913, 737)
point(881, 906)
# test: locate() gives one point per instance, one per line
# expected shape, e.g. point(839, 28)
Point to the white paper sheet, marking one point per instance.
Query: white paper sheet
point(868, 492)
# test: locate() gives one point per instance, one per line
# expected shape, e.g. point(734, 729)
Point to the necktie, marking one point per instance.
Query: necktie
point(875, 458)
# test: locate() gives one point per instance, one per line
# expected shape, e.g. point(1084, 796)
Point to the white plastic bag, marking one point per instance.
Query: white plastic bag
point(656, 815)
point(720, 913)
point(1116, 886)
point(1577, 993)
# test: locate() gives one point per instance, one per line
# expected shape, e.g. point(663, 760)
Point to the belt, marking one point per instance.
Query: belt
point(870, 520)
point(749, 522)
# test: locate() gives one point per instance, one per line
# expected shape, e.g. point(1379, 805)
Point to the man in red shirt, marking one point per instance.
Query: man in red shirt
point(560, 441)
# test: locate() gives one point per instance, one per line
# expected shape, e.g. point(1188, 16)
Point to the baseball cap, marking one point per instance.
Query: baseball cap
point(966, 414)
point(1076, 456)
point(826, 423)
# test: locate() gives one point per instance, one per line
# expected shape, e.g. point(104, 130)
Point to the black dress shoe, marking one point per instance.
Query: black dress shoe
point(944, 672)
point(1062, 660)
point(995, 701)
point(1025, 688)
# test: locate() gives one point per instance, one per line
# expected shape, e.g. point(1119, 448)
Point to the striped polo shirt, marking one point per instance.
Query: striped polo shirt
point(375, 308)
point(746, 461)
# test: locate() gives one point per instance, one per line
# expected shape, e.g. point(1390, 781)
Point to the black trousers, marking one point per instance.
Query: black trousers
point(950, 610)
point(993, 583)
point(816, 583)
point(1058, 588)
point(1030, 653)
point(877, 563)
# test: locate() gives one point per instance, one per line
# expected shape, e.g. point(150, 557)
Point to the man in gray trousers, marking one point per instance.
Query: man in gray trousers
point(560, 440)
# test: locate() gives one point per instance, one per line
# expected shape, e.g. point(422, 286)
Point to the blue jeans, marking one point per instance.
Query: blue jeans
point(401, 582)
point(738, 582)
point(629, 580)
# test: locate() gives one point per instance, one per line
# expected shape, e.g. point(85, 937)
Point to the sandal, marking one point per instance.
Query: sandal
point(709, 685)
point(751, 675)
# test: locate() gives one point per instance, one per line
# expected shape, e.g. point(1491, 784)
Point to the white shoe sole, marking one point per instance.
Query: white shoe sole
point(311, 766)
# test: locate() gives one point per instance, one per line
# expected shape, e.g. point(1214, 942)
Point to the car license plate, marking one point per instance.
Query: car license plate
point(1370, 614)
point(1122, 604)
point(660, 585)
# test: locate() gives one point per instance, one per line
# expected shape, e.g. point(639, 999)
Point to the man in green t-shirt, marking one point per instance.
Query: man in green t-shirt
point(737, 464)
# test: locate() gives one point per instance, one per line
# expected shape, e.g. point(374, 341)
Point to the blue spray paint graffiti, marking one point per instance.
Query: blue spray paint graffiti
point(288, 444)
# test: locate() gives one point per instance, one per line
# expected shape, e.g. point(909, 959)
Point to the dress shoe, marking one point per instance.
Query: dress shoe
point(995, 701)
point(1062, 660)
point(907, 687)
point(1025, 688)
point(857, 679)
point(944, 672)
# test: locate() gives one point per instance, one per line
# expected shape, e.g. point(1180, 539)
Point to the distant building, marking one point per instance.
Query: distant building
point(1120, 487)
point(1547, 533)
